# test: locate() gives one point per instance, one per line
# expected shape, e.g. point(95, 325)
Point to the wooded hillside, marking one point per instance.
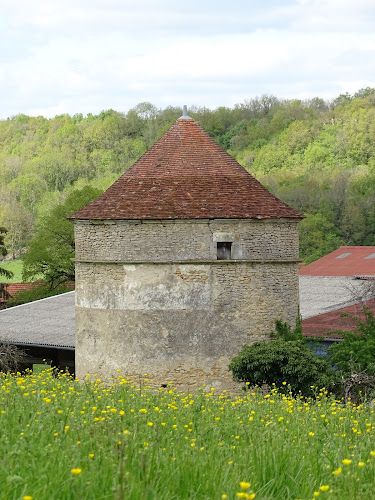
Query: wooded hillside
point(318, 157)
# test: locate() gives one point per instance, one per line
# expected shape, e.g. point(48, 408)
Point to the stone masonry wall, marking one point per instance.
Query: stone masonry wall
point(179, 321)
point(173, 241)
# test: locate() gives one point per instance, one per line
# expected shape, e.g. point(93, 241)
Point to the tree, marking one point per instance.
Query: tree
point(286, 359)
point(20, 225)
point(318, 237)
point(356, 352)
point(51, 250)
point(4, 272)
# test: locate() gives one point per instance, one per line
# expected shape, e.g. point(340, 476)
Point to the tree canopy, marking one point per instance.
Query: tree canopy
point(51, 250)
point(3, 272)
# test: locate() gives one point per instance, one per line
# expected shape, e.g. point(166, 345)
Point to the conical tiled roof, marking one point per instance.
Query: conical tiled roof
point(186, 175)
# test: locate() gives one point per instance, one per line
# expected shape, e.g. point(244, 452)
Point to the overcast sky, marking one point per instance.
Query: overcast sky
point(83, 56)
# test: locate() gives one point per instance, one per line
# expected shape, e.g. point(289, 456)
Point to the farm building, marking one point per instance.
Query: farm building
point(44, 330)
point(180, 263)
point(338, 284)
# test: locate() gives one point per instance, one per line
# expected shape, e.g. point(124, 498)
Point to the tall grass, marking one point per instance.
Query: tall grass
point(64, 439)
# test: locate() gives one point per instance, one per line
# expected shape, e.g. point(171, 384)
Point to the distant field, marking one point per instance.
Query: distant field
point(16, 267)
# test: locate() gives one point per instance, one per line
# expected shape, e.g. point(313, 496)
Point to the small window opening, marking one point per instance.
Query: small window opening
point(224, 250)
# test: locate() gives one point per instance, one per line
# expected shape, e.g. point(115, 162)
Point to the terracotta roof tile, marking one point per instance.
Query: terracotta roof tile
point(186, 175)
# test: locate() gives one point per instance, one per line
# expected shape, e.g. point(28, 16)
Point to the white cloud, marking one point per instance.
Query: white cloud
point(87, 55)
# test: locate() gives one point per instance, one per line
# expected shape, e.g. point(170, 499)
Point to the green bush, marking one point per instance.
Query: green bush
point(282, 362)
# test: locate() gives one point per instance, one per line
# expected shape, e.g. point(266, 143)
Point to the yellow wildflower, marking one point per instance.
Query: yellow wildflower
point(324, 488)
point(346, 461)
point(244, 485)
point(337, 471)
point(76, 471)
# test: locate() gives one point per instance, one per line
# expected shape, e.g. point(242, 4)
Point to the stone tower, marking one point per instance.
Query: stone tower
point(182, 261)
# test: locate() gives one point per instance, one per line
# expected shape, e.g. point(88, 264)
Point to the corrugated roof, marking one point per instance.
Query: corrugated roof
point(186, 175)
point(319, 326)
point(345, 261)
point(49, 322)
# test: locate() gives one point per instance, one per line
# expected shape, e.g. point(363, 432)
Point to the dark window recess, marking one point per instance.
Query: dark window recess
point(224, 250)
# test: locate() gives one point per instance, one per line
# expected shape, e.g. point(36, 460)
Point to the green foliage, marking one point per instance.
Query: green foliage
point(4, 272)
point(51, 250)
point(318, 237)
point(284, 331)
point(282, 361)
point(356, 352)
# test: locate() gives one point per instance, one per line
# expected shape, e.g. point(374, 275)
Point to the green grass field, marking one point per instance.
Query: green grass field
point(16, 267)
point(65, 439)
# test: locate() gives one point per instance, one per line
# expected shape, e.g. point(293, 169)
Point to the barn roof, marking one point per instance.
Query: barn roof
point(345, 261)
point(49, 322)
point(339, 319)
point(13, 288)
point(186, 175)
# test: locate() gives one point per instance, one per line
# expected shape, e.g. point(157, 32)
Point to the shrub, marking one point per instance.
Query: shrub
point(281, 362)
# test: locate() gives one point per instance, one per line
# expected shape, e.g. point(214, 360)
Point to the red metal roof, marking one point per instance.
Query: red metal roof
point(13, 288)
point(318, 326)
point(345, 261)
point(186, 175)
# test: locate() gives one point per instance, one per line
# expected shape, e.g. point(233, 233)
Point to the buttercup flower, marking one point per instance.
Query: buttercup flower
point(244, 485)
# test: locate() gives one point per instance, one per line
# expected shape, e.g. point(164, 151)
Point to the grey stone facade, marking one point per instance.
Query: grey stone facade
point(152, 297)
